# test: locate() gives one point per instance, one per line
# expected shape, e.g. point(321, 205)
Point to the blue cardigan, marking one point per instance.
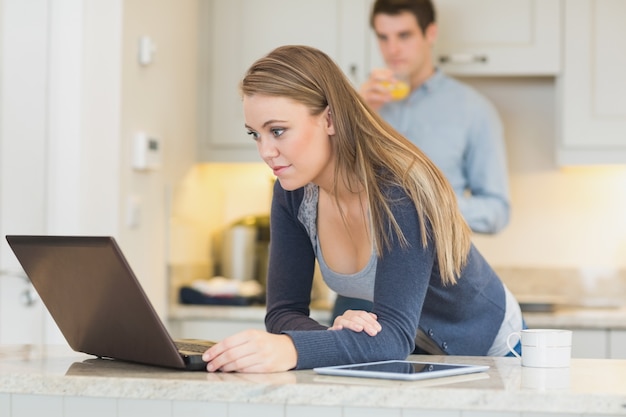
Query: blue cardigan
point(462, 319)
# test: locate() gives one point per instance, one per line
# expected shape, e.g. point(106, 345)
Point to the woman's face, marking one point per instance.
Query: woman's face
point(293, 143)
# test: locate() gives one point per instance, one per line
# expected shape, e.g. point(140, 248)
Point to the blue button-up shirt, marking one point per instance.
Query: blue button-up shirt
point(461, 132)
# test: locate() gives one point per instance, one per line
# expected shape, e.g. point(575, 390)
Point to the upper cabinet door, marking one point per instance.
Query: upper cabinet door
point(592, 88)
point(494, 37)
point(499, 37)
point(236, 33)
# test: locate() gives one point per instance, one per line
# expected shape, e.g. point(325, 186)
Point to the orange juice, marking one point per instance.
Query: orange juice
point(398, 89)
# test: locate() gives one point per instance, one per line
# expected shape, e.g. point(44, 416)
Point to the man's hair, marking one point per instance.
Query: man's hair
point(423, 10)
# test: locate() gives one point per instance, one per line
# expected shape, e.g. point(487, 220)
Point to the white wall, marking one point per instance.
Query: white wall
point(74, 97)
point(159, 98)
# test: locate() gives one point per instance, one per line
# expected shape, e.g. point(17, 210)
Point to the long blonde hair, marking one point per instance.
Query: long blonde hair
point(370, 150)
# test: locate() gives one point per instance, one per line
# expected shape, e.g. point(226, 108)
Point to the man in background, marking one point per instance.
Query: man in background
point(452, 123)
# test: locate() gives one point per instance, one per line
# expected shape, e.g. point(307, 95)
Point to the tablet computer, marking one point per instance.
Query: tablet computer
point(400, 369)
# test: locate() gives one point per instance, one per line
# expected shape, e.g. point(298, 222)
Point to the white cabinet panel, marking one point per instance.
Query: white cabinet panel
point(5, 404)
point(199, 409)
point(23, 405)
point(257, 410)
point(21, 312)
point(617, 344)
point(495, 37)
point(89, 406)
point(252, 28)
point(592, 89)
point(590, 343)
point(133, 408)
point(499, 37)
point(24, 196)
point(515, 37)
point(23, 61)
point(312, 411)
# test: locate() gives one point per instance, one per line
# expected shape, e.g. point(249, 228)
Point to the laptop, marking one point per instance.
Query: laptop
point(97, 302)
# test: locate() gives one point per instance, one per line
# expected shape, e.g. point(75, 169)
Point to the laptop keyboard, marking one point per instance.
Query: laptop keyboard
point(199, 346)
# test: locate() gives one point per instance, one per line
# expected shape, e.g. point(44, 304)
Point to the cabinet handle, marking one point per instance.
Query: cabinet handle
point(463, 59)
point(354, 71)
point(29, 297)
point(353, 74)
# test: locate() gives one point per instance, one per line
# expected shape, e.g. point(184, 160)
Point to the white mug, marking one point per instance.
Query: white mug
point(543, 348)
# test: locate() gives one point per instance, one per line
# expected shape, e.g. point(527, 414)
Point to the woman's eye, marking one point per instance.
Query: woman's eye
point(254, 135)
point(277, 131)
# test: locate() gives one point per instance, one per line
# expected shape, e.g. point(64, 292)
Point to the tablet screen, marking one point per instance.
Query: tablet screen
point(410, 370)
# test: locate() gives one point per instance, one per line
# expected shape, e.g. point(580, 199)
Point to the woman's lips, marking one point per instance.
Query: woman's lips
point(279, 169)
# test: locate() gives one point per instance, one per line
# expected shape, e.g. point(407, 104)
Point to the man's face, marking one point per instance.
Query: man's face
point(402, 44)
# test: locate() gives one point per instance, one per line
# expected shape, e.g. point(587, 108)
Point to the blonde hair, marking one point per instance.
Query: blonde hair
point(370, 150)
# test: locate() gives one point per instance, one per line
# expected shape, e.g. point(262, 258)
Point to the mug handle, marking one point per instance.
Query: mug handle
point(508, 343)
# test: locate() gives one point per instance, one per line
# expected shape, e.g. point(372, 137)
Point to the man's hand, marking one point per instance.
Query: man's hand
point(375, 90)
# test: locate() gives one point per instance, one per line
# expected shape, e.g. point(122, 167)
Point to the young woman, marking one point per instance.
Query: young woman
point(378, 216)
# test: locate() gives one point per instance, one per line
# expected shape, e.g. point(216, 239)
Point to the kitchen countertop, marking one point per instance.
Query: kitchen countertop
point(576, 299)
point(595, 386)
point(570, 317)
point(235, 313)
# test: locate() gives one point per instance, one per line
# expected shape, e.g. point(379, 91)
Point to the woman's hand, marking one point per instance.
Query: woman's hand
point(252, 351)
point(357, 321)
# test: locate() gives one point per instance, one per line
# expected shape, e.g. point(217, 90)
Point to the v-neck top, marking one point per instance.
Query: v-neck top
point(357, 285)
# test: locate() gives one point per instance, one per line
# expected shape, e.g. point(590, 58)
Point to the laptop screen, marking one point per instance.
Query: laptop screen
point(95, 298)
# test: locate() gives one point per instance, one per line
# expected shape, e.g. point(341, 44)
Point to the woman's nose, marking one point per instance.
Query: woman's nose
point(266, 148)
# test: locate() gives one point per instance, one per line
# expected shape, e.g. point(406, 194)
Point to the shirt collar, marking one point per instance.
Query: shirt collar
point(433, 82)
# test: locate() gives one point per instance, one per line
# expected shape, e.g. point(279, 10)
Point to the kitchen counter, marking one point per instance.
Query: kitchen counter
point(597, 332)
point(235, 313)
point(569, 317)
point(55, 381)
point(572, 317)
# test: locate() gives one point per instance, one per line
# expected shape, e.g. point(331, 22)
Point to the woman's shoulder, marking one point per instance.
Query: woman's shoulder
point(394, 193)
point(292, 200)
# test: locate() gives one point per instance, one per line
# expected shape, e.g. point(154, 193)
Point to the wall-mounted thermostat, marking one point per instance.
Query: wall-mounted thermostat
point(146, 152)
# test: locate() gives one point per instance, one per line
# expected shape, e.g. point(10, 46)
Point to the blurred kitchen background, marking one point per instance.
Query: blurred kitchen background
point(122, 117)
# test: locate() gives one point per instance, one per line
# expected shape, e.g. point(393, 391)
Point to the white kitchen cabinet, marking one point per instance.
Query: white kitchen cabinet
point(617, 344)
point(599, 343)
point(481, 37)
point(236, 33)
point(37, 148)
point(495, 37)
point(21, 312)
point(590, 343)
point(592, 87)
point(22, 160)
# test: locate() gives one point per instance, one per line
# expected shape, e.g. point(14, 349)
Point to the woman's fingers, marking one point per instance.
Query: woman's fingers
point(252, 351)
point(358, 321)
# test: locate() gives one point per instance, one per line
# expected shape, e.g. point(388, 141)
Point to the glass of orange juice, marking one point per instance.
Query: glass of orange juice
point(399, 86)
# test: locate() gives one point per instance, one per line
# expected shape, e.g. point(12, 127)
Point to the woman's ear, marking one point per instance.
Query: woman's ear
point(330, 123)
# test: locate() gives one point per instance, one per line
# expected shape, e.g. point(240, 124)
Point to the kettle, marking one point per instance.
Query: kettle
point(245, 249)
